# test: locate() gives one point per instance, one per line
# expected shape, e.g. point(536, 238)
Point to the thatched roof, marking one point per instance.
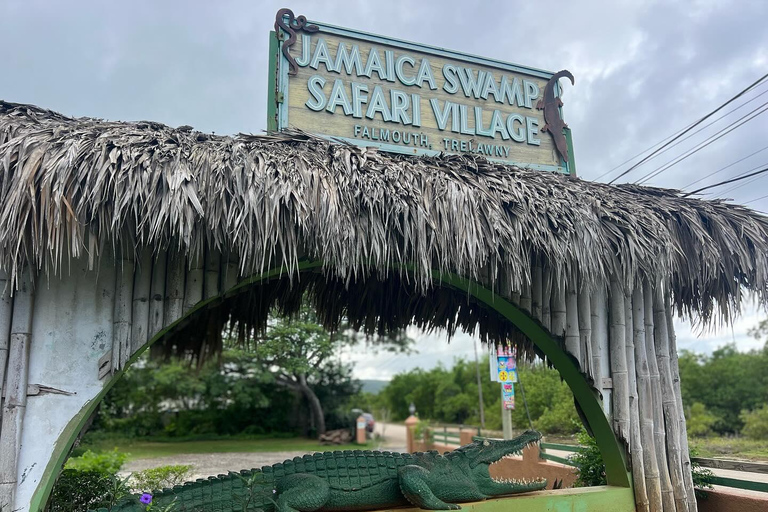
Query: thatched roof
point(68, 186)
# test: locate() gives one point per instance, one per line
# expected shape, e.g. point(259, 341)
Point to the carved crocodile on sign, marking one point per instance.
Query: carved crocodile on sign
point(354, 480)
point(550, 103)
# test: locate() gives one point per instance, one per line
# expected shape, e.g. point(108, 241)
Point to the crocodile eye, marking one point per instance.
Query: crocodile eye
point(486, 443)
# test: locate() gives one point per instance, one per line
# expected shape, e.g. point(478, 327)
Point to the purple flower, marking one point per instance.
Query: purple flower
point(146, 498)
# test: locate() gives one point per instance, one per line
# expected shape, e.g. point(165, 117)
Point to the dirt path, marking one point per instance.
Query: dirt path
point(391, 437)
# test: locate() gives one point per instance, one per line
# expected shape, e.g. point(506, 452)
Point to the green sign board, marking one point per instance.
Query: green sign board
point(411, 98)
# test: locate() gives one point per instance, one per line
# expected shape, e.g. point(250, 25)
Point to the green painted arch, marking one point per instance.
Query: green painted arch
point(612, 451)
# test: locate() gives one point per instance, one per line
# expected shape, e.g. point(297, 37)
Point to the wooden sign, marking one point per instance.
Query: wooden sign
point(411, 98)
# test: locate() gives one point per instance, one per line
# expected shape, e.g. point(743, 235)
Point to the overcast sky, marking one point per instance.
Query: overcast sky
point(643, 70)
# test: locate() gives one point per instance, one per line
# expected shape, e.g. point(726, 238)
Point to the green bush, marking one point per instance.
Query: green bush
point(699, 420)
point(89, 482)
point(589, 462)
point(702, 477)
point(159, 478)
point(755, 423)
point(105, 463)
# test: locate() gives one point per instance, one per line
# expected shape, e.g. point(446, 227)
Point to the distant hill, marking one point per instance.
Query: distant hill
point(373, 386)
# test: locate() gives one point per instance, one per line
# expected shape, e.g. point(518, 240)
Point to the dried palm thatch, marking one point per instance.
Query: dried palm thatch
point(74, 187)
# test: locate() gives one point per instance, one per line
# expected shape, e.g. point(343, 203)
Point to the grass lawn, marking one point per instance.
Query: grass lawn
point(730, 447)
point(145, 449)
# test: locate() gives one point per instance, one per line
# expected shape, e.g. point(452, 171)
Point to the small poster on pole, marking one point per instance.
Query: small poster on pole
point(506, 365)
point(508, 395)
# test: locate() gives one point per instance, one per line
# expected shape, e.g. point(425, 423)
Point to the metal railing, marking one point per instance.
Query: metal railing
point(735, 465)
point(560, 447)
point(441, 434)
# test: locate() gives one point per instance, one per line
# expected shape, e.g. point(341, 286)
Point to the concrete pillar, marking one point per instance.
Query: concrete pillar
point(465, 436)
point(410, 425)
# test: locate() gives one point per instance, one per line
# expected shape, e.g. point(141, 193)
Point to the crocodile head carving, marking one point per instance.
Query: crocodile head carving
point(475, 460)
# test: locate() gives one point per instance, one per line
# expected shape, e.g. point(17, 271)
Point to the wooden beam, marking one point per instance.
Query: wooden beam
point(618, 357)
point(645, 404)
point(121, 338)
point(142, 289)
point(668, 401)
point(16, 391)
point(157, 295)
point(659, 434)
point(6, 310)
point(636, 448)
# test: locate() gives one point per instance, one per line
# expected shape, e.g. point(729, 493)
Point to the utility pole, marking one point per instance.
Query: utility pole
point(479, 387)
point(506, 418)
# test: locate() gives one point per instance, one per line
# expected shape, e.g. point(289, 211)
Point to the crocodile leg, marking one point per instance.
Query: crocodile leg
point(302, 492)
point(414, 486)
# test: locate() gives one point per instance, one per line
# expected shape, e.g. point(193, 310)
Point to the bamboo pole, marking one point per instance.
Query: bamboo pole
point(585, 331)
point(142, 288)
point(157, 295)
point(17, 377)
point(617, 353)
point(668, 403)
point(193, 289)
point(525, 296)
point(537, 292)
point(636, 448)
point(572, 334)
point(645, 404)
point(558, 309)
point(686, 456)
point(659, 435)
point(121, 338)
point(174, 287)
point(546, 298)
point(230, 271)
point(6, 310)
point(212, 271)
point(602, 362)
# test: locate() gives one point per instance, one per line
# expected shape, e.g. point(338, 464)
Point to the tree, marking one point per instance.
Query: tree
point(301, 354)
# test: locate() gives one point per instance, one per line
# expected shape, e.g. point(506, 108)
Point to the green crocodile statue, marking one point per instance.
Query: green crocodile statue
point(352, 480)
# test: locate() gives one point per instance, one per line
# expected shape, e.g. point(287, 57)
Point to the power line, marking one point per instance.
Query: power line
point(740, 94)
point(664, 150)
point(737, 187)
point(759, 198)
point(731, 180)
point(726, 167)
point(728, 129)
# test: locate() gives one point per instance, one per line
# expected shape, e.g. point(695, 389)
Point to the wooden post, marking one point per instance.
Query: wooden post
point(645, 404)
point(686, 456)
point(585, 332)
point(668, 403)
point(602, 361)
point(157, 295)
point(525, 295)
point(635, 443)
point(546, 298)
point(193, 289)
point(142, 288)
point(572, 334)
point(230, 272)
point(537, 293)
point(6, 310)
point(16, 391)
point(174, 287)
point(121, 338)
point(558, 309)
point(617, 347)
point(212, 270)
point(659, 435)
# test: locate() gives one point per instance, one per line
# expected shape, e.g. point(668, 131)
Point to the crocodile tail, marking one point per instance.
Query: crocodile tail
point(563, 74)
point(250, 491)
